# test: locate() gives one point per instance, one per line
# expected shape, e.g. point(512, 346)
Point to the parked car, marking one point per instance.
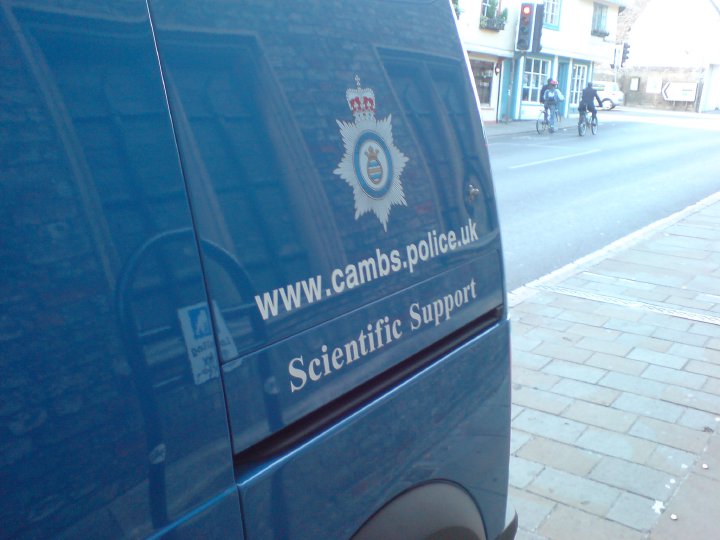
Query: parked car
point(610, 94)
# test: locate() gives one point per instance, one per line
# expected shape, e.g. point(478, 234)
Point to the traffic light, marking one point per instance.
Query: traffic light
point(537, 27)
point(625, 53)
point(525, 27)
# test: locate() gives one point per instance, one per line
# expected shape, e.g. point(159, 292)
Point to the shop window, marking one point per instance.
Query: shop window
point(483, 73)
point(535, 76)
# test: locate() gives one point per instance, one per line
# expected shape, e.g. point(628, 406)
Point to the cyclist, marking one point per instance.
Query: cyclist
point(542, 97)
point(551, 98)
point(586, 101)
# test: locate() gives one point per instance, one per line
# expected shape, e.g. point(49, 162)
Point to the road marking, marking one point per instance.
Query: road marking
point(550, 160)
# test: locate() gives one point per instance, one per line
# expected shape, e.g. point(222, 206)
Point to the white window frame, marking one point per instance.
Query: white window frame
point(599, 22)
point(552, 13)
point(578, 82)
point(536, 73)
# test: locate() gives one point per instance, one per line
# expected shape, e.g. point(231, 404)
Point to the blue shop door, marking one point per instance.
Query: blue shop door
point(563, 84)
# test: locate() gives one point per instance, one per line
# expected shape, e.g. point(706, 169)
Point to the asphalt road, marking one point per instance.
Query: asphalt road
point(562, 196)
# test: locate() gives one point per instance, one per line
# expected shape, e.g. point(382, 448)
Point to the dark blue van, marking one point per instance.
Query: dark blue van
point(252, 281)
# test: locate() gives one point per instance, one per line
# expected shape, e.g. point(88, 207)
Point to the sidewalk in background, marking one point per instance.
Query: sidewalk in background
point(616, 390)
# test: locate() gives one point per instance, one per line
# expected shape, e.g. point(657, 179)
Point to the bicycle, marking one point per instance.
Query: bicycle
point(586, 121)
point(542, 123)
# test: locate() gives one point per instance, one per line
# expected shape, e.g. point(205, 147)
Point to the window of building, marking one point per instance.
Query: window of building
point(599, 23)
point(485, 10)
point(483, 73)
point(552, 13)
point(579, 80)
point(536, 74)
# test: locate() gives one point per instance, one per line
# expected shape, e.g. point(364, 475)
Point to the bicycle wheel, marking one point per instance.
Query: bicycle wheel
point(582, 125)
point(540, 124)
point(594, 126)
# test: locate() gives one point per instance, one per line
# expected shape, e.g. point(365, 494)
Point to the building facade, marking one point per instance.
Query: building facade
point(576, 35)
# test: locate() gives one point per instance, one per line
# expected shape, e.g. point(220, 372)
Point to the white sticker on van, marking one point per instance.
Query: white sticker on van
point(372, 164)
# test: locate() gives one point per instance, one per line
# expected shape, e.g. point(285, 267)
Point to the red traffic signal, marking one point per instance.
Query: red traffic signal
point(525, 27)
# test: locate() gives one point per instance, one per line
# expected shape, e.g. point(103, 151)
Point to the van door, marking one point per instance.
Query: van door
point(112, 415)
point(334, 154)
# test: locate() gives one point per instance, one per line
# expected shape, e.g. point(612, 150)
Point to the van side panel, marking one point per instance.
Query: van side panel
point(335, 153)
point(330, 486)
point(112, 416)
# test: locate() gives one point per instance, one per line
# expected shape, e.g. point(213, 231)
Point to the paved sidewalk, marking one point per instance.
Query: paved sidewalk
point(616, 391)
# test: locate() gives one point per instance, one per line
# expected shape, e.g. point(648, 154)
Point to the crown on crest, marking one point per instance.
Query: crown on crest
point(361, 101)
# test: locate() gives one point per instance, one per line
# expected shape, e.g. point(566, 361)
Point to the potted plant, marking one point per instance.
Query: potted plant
point(493, 18)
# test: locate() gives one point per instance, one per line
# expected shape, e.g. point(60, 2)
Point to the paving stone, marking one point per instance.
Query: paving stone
point(540, 400)
point(645, 406)
point(518, 439)
point(695, 353)
point(703, 368)
point(559, 456)
point(620, 313)
point(523, 343)
point(600, 416)
point(675, 377)
point(610, 362)
point(671, 460)
point(585, 391)
point(705, 284)
point(712, 386)
point(699, 420)
point(589, 495)
point(635, 511)
point(615, 444)
point(644, 342)
point(571, 370)
point(695, 510)
point(549, 426)
point(532, 378)
point(547, 334)
point(531, 509)
point(635, 478)
point(523, 471)
point(609, 347)
point(632, 384)
point(537, 309)
point(667, 321)
point(562, 351)
point(714, 344)
point(632, 327)
point(582, 318)
point(571, 524)
point(706, 329)
point(658, 358)
point(523, 534)
point(670, 434)
point(595, 332)
point(695, 399)
point(679, 336)
point(688, 303)
point(710, 459)
point(515, 411)
point(639, 272)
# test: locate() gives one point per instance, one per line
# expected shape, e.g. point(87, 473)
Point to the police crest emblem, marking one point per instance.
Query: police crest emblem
point(372, 164)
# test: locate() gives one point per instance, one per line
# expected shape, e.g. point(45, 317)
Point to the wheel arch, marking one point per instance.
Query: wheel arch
point(434, 511)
